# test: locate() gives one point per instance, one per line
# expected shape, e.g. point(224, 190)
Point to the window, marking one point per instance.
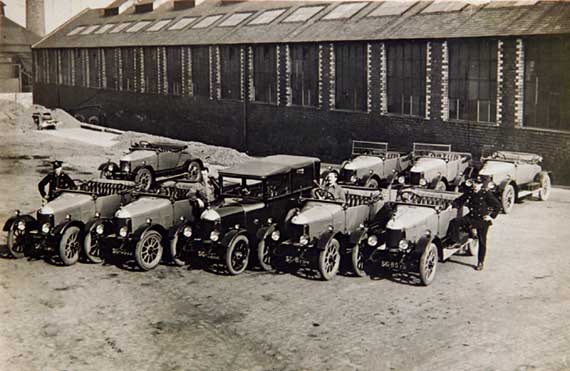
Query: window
point(76, 30)
point(351, 71)
point(231, 72)
point(159, 25)
point(508, 4)
point(267, 17)
point(344, 11)
point(444, 6)
point(139, 26)
point(265, 73)
point(105, 28)
point(151, 69)
point(235, 19)
point(130, 69)
point(406, 77)
point(201, 71)
point(303, 14)
point(120, 27)
point(94, 68)
point(182, 23)
point(174, 70)
point(304, 74)
point(89, 30)
point(208, 21)
point(111, 72)
point(473, 80)
point(388, 8)
point(547, 83)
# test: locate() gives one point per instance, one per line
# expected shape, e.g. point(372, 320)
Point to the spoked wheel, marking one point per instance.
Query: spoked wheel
point(545, 187)
point(148, 250)
point(144, 178)
point(16, 241)
point(176, 250)
point(329, 260)
point(237, 255)
point(508, 198)
point(264, 256)
point(428, 264)
point(440, 186)
point(194, 169)
point(92, 246)
point(372, 183)
point(358, 261)
point(69, 245)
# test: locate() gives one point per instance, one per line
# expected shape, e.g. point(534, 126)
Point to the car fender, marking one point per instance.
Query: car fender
point(104, 165)
point(542, 174)
point(28, 219)
point(107, 224)
point(265, 231)
point(134, 171)
point(178, 228)
point(156, 227)
point(62, 227)
point(324, 239)
point(198, 160)
point(231, 235)
point(437, 179)
point(357, 236)
point(422, 244)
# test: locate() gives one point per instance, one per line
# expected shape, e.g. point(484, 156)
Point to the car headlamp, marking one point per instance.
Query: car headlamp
point(401, 180)
point(423, 182)
point(111, 167)
point(403, 245)
point(46, 227)
point(469, 183)
point(275, 236)
point(491, 185)
point(21, 225)
point(353, 179)
point(372, 240)
point(100, 229)
point(304, 240)
point(215, 236)
point(124, 231)
point(187, 232)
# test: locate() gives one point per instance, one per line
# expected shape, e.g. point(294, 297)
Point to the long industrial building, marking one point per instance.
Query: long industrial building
point(310, 77)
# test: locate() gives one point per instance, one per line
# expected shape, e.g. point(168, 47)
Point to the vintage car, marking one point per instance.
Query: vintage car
point(372, 165)
point(145, 162)
point(256, 196)
point(437, 167)
point(145, 226)
point(516, 175)
point(61, 224)
point(412, 233)
point(323, 231)
point(43, 118)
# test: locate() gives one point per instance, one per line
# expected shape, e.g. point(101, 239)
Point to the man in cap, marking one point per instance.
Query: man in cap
point(483, 208)
point(55, 180)
point(333, 187)
point(206, 190)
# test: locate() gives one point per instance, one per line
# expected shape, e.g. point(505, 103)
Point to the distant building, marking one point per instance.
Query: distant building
point(308, 77)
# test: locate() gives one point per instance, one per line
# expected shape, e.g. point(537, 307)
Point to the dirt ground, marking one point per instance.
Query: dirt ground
point(512, 316)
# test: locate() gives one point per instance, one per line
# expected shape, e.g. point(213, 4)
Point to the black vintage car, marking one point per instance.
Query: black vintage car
point(256, 196)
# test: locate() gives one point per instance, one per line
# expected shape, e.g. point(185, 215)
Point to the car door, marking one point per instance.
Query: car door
point(167, 160)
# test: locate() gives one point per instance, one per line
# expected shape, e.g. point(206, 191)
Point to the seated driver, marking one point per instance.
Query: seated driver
point(332, 186)
point(205, 189)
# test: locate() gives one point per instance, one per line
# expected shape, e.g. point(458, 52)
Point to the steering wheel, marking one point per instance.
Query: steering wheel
point(408, 195)
point(322, 194)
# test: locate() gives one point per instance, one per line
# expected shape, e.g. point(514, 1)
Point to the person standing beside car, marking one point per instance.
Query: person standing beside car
point(483, 208)
point(56, 180)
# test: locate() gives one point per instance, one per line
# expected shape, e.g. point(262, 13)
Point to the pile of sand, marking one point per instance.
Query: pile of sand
point(16, 116)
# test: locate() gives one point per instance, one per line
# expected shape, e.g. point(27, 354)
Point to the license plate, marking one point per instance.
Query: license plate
point(391, 265)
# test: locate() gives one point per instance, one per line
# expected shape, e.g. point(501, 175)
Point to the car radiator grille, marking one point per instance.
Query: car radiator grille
point(345, 175)
point(415, 178)
point(45, 218)
point(393, 237)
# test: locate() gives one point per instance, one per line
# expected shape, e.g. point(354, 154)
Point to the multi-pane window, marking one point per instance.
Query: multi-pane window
point(201, 71)
point(231, 72)
point(94, 68)
point(351, 70)
point(547, 83)
point(151, 69)
point(111, 72)
point(174, 70)
point(406, 77)
point(265, 73)
point(130, 68)
point(473, 80)
point(304, 74)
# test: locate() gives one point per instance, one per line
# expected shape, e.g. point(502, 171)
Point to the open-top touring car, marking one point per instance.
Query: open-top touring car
point(61, 224)
point(43, 118)
point(256, 196)
point(372, 165)
point(322, 231)
point(437, 167)
point(516, 175)
point(146, 161)
point(414, 233)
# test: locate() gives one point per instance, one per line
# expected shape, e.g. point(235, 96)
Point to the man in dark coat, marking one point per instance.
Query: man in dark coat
point(483, 208)
point(55, 180)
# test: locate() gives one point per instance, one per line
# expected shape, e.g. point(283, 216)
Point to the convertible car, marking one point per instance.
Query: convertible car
point(516, 175)
point(146, 161)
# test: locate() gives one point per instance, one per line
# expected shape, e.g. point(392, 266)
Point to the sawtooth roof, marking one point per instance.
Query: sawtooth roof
point(473, 20)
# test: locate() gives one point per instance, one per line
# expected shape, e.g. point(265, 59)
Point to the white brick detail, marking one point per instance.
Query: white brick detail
point(103, 69)
point(190, 76)
point(519, 84)
point(428, 80)
point(278, 79)
point(59, 74)
point(72, 51)
point(320, 83)
point(500, 80)
point(444, 81)
point(211, 71)
point(142, 80)
point(368, 77)
point(119, 58)
point(383, 80)
point(288, 71)
point(332, 77)
point(250, 71)
point(242, 73)
point(86, 68)
point(164, 72)
point(218, 72)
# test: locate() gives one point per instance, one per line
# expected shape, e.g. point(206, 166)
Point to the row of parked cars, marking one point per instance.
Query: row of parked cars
point(272, 212)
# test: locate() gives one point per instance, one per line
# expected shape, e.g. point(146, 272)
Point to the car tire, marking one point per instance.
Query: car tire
point(144, 178)
point(79, 117)
point(358, 261)
point(428, 264)
point(545, 186)
point(329, 260)
point(372, 183)
point(264, 256)
point(175, 248)
point(92, 246)
point(194, 170)
point(440, 186)
point(148, 250)
point(508, 198)
point(70, 245)
point(237, 255)
point(16, 241)
point(93, 120)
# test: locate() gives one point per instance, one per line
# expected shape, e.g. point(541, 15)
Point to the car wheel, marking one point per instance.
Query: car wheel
point(194, 170)
point(144, 178)
point(329, 260)
point(69, 245)
point(545, 187)
point(16, 241)
point(358, 261)
point(237, 255)
point(148, 250)
point(440, 186)
point(264, 256)
point(508, 198)
point(79, 117)
point(92, 246)
point(176, 250)
point(372, 183)
point(428, 264)
point(93, 120)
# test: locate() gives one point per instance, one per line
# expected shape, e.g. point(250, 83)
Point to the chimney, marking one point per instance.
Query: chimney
point(2, 5)
point(35, 16)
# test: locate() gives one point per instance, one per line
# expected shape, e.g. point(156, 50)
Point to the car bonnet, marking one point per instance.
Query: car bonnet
point(363, 162)
point(138, 155)
point(424, 164)
point(315, 212)
point(491, 168)
point(409, 216)
point(67, 203)
point(143, 207)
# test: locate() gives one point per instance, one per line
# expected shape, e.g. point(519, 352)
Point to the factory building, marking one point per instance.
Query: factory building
point(310, 77)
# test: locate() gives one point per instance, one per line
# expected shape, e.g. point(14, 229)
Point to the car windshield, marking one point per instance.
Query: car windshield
point(244, 187)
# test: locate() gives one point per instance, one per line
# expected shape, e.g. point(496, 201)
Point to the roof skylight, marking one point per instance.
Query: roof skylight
point(394, 7)
point(208, 21)
point(508, 4)
point(344, 11)
point(267, 16)
point(139, 26)
point(89, 29)
point(303, 14)
point(120, 27)
point(235, 19)
point(182, 23)
point(444, 6)
point(159, 25)
point(105, 28)
point(76, 30)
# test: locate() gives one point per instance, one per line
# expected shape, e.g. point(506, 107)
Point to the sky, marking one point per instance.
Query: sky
point(57, 11)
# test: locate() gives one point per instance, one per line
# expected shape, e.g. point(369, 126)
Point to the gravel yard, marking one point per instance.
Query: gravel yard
point(511, 316)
